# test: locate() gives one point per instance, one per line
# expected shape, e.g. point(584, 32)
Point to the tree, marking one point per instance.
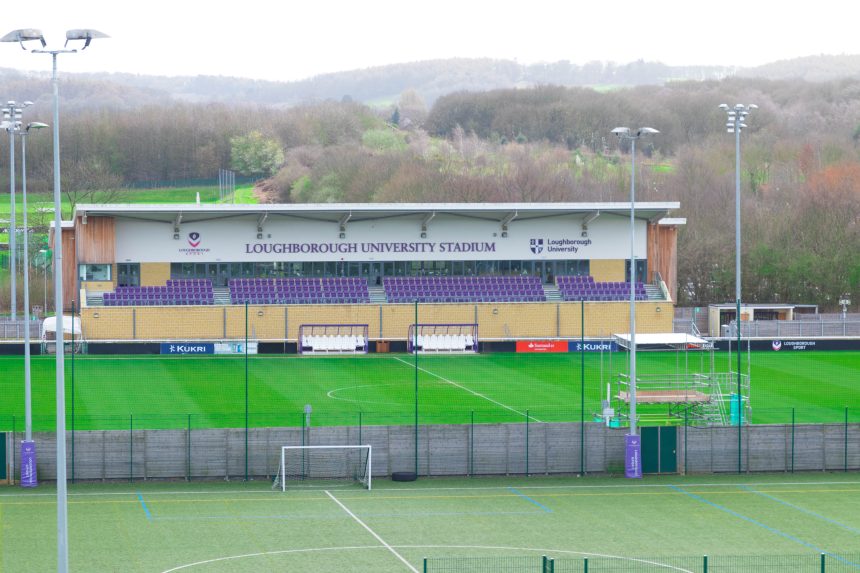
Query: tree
point(90, 181)
point(255, 154)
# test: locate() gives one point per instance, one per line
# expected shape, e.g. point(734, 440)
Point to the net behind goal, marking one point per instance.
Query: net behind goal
point(324, 466)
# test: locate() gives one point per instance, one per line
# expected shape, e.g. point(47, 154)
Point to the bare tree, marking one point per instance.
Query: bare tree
point(90, 182)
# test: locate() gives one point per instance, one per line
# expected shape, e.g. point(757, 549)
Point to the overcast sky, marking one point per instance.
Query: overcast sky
point(291, 40)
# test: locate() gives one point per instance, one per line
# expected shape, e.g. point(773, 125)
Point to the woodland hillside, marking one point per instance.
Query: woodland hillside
point(800, 170)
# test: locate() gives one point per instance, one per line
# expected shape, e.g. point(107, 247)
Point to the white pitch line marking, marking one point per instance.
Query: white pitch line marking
point(373, 533)
point(470, 391)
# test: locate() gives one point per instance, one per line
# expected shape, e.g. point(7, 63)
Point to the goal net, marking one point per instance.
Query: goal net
point(323, 466)
point(333, 338)
point(442, 338)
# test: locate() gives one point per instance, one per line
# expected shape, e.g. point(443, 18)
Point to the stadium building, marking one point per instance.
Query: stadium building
point(138, 272)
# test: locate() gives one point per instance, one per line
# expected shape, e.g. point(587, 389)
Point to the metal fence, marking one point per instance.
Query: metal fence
point(800, 328)
point(15, 329)
point(442, 450)
point(804, 563)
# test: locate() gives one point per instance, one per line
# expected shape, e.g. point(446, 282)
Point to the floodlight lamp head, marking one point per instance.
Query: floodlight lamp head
point(724, 106)
point(86, 34)
point(36, 125)
point(646, 131)
point(24, 35)
point(621, 131)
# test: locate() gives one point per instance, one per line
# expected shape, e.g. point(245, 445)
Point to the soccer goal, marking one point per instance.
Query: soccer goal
point(442, 338)
point(324, 466)
point(333, 338)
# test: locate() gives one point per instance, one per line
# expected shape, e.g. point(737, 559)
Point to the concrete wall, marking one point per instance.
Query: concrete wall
point(388, 321)
point(480, 449)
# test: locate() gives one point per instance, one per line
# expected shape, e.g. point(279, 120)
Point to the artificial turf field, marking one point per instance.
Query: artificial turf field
point(110, 392)
point(747, 523)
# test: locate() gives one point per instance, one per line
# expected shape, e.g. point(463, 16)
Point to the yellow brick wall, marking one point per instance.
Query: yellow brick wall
point(606, 270)
point(154, 274)
point(180, 323)
point(495, 321)
point(107, 323)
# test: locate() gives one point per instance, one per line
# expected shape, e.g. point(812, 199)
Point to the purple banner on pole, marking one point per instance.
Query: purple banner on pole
point(632, 456)
point(28, 464)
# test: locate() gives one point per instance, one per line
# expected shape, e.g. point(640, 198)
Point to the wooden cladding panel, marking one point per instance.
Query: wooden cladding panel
point(96, 240)
point(70, 271)
point(662, 256)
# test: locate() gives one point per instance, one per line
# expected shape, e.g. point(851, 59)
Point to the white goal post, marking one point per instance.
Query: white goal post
point(318, 466)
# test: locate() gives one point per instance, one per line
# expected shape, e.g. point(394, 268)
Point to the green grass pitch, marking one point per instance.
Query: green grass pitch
point(785, 521)
point(112, 392)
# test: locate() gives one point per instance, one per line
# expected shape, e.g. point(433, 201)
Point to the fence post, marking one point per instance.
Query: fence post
point(581, 388)
point(359, 428)
point(823, 562)
point(846, 438)
point(72, 389)
point(685, 441)
point(585, 565)
point(472, 445)
point(425, 565)
point(246, 390)
point(527, 442)
point(705, 564)
point(792, 440)
point(131, 448)
point(188, 451)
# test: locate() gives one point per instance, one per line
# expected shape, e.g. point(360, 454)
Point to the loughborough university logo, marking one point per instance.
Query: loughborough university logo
point(536, 245)
point(194, 239)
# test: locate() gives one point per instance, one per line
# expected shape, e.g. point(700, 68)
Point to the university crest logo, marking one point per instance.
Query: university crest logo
point(194, 239)
point(776, 344)
point(536, 246)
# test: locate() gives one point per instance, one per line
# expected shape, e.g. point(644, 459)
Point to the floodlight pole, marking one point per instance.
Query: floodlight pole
point(735, 118)
point(28, 410)
point(19, 37)
point(62, 509)
point(624, 133)
point(12, 116)
point(11, 125)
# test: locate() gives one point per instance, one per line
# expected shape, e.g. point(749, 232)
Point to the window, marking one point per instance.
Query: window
point(94, 272)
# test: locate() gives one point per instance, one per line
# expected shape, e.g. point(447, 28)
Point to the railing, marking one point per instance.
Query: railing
point(797, 328)
point(14, 329)
point(806, 563)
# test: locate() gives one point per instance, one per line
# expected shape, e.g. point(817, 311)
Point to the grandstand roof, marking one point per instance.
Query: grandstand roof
point(662, 340)
point(654, 211)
